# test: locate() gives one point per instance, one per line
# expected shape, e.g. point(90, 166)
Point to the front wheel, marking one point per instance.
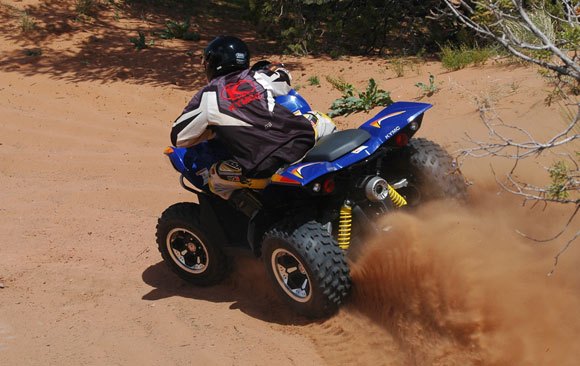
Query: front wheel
point(186, 249)
point(307, 267)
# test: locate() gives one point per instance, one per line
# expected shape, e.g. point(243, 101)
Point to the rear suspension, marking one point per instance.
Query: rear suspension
point(345, 225)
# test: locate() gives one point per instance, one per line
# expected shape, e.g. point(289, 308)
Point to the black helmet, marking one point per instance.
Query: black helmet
point(224, 55)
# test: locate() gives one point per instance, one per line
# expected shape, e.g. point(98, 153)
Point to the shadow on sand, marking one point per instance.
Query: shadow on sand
point(98, 47)
point(247, 288)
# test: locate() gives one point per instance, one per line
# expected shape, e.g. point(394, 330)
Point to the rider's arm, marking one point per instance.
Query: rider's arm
point(191, 127)
point(276, 77)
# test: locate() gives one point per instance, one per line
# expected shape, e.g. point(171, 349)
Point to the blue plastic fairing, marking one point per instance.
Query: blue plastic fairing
point(294, 102)
point(386, 124)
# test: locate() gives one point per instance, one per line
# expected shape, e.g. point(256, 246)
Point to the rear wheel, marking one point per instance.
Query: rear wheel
point(433, 173)
point(186, 249)
point(307, 267)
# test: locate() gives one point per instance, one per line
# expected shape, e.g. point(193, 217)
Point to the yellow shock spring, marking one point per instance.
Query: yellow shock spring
point(397, 199)
point(344, 226)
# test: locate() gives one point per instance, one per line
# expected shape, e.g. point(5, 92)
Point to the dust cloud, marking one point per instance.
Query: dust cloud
point(454, 284)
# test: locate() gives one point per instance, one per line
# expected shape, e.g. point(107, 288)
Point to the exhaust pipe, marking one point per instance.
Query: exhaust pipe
point(376, 189)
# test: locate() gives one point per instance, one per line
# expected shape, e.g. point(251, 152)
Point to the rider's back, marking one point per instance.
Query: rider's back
point(239, 109)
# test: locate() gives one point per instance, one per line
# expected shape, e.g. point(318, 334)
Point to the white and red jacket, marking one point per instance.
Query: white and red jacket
point(239, 109)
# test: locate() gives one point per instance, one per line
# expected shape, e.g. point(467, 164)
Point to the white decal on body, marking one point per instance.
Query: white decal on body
point(394, 131)
point(359, 149)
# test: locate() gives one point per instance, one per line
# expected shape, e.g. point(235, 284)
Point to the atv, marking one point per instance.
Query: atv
point(308, 215)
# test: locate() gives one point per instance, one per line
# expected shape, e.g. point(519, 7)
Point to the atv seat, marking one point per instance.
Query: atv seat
point(333, 146)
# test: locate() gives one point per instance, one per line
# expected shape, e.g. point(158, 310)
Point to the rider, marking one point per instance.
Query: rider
point(237, 106)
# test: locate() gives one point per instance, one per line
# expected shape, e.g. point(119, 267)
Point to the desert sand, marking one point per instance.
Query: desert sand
point(83, 181)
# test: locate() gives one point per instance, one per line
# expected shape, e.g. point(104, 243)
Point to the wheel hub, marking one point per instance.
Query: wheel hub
point(191, 247)
point(187, 250)
point(291, 275)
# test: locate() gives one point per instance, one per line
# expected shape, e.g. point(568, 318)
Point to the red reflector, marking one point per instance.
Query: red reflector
point(328, 185)
point(401, 139)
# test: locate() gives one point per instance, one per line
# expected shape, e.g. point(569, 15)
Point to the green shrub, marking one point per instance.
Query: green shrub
point(338, 27)
point(140, 42)
point(336, 53)
point(339, 84)
point(398, 67)
point(313, 81)
point(455, 58)
point(561, 178)
point(33, 52)
point(297, 49)
point(27, 23)
point(365, 101)
point(179, 30)
point(542, 20)
point(86, 7)
point(429, 89)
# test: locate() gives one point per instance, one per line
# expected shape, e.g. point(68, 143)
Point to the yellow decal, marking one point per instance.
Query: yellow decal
point(298, 171)
point(277, 178)
point(377, 123)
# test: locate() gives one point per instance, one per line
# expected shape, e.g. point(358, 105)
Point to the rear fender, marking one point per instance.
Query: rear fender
point(394, 118)
point(386, 124)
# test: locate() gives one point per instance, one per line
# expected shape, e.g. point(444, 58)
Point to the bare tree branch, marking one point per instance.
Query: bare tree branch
point(547, 42)
point(557, 234)
point(561, 251)
point(530, 192)
point(502, 146)
point(500, 32)
point(534, 35)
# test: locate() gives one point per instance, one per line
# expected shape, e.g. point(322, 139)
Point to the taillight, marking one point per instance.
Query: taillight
point(401, 139)
point(328, 186)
